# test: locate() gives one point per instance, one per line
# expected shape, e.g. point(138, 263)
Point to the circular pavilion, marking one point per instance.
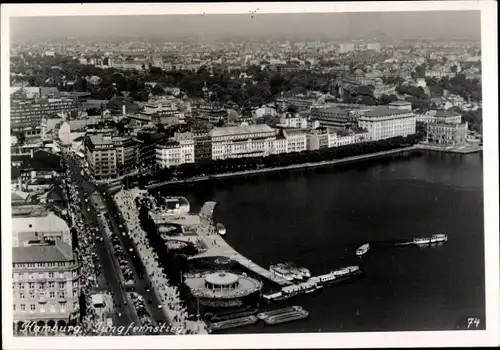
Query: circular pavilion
point(222, 281)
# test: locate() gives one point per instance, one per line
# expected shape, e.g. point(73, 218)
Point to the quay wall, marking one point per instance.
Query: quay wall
point(347, 160)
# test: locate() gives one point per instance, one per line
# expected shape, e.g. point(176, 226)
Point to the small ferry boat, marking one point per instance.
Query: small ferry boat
point(301, 270)
point(266, 314)
point(278, 271)
point(363, 249)
point(221, 229)
point(236, 322)
point(233, 315)
point(292, 271)
point(287, 317)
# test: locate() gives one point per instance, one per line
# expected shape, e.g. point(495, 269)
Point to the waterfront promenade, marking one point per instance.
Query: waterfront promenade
point(168, 294)
point(288, 167)
point(215, 246)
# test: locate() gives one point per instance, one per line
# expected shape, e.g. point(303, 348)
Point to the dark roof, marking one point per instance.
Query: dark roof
point(60, 252)
point(43, 160)
point(449, 113)
point(56, 194)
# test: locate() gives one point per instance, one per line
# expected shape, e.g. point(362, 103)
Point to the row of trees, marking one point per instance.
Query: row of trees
point(213, 167)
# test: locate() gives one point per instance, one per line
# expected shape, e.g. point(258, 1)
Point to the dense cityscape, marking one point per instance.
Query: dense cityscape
point(97, 124)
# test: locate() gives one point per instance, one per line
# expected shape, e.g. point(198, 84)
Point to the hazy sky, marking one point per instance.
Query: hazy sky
point(397, 25)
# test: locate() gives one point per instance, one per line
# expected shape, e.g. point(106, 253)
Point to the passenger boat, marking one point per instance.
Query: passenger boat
point(433, 239)
point(221, 229)
point(363, 249)
point(301, 270)
point(266, 314)
point(440, 237)
point(233, 315)
point(278, 271)
point(237, 322)
point(287, 317)
point(296, 274)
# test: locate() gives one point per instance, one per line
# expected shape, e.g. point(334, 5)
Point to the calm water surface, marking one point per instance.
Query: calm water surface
point(318, 219)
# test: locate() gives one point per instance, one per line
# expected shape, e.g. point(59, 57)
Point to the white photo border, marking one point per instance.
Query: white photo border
point(488, 337)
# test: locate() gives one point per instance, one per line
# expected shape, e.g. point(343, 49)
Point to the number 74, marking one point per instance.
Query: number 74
point(472, 321)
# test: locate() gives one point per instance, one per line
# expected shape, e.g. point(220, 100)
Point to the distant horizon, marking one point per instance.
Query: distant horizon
point(382, 26)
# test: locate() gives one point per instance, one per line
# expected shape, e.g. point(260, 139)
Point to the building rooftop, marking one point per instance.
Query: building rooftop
point(43, 160)
point(449, 113)
point(59, 252)
point(238, 130)
point(47, 223)
point(382, 111)
point(400, 103)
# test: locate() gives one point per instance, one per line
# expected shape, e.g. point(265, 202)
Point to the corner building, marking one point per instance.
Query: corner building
point(384, 123)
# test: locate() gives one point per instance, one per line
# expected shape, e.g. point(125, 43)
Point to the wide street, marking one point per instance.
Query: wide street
point(118, 226)
point(109, 271)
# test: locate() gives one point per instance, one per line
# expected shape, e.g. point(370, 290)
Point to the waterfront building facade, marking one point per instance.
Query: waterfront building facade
point(318, 139)
point(384, 122)
point(45, 285)
point(296, 140)
point(343, 137)
point(242, 141)
point(175, 152)
point(447, 129)
point(290, 120)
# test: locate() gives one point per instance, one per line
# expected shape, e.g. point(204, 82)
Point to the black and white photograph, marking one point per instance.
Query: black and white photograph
point(250, 175)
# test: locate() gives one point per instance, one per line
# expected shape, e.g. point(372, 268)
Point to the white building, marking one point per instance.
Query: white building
point(384, 123)
point(346, 47)
point(45, 227)
point(280, 145)
point(175, 152)
point(296, 140)
point(242, 141)
point(342, 137)
point(290, 120)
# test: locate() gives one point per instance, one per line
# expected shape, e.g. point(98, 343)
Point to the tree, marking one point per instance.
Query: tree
point(386, 99)
point(292, 109)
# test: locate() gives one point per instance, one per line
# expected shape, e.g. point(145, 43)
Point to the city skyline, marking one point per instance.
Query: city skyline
point(445, 25)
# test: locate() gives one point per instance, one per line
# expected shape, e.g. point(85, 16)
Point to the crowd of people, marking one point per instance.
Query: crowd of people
point(85, 250)
point(168, 295)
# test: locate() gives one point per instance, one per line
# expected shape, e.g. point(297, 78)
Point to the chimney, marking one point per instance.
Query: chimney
point(124, 109)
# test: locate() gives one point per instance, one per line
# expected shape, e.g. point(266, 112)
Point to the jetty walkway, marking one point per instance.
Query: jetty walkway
point(215, 246)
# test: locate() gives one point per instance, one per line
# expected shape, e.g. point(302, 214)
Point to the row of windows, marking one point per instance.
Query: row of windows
point(43, 308)
point(52, 294)
point(43, 285)
point(51, 264)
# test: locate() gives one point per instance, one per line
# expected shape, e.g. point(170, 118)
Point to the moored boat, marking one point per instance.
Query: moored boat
point(292, 271)
point(232, 323)
point(440, 237)
point(287, 317)
point(281, 272)
point(266, 314)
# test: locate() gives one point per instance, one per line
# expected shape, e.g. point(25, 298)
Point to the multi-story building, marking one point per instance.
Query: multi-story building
point(202, 145)
point(302, 103)
point(342, 137)
point(45, 284)
point(447, 129)
point(147, 148)
point(295, 120)
point(209, 113)
point(333, 116)
point(26, 116)
point(317, 139)
point(373, 46)
point(242, 141)
point(110, 156)
point(29, 225)
point(384, 122)
point(280, 144)
point(176, 151)
point(296, 140)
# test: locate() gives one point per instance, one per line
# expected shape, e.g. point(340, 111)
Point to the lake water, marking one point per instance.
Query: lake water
point(318, 218)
